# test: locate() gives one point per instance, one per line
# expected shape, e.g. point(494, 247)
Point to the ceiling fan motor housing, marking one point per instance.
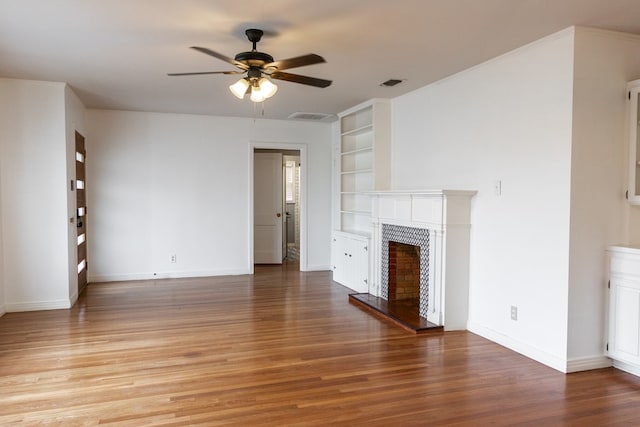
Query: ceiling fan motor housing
point(254, 59)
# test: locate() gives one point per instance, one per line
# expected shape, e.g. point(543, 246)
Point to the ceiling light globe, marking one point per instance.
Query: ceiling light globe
point(267, 88)
point(239, 88)
point(257, 95)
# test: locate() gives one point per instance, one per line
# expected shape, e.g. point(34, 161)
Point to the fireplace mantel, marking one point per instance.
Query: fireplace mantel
point(446, 214)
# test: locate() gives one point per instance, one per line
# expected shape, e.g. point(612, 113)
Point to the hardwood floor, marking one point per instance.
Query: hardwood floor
point(278, 348)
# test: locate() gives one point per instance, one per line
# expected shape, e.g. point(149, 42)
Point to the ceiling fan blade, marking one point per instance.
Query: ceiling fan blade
point(298, 61)
point(221, 56)
point(296, 78)
point(205, 72)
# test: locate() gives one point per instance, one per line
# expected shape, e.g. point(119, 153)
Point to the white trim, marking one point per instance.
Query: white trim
point(37, 306)
point(165, 275)
point(587, 363)
point(302, 148)
point(320, 267)
point(2, 311)
point(627, 367)
point(527, 350)
point(74, 297)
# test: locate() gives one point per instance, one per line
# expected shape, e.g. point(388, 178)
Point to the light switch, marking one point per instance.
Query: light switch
point(497, 187)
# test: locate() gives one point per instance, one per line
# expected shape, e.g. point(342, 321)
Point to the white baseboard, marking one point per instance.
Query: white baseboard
point(319, 267)
point(164, 275)
point(73, 298)
point(527, 350)
point(627, 367)
point(588, 363)
point(13, 307)
point(2, 311)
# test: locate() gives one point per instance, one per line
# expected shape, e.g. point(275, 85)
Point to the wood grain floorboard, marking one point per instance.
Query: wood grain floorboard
point(277, 348)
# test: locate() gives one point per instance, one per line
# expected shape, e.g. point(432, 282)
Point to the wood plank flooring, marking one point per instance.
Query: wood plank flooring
point(278, 348)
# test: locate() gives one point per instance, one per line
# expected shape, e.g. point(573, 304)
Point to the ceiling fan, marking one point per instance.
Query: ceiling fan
point(259, 66)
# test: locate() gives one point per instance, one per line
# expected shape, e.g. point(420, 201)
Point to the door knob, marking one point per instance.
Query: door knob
point(278, 215)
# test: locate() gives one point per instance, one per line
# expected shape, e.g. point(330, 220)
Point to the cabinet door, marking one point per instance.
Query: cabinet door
point(339, 256)
point(633, 193)
point(360, 265)
point(624, 321)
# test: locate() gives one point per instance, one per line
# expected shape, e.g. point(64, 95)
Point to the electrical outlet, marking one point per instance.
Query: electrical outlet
point(174, 259)
point(514, 312)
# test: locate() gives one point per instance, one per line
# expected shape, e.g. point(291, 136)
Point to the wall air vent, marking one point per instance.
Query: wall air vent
point(315, 117)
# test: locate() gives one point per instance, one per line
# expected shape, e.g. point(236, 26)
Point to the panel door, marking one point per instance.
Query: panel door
point(268, 217)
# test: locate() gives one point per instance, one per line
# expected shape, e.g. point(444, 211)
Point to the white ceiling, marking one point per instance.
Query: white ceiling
point(116, 53)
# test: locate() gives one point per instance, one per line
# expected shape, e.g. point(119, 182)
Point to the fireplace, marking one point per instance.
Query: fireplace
point(432, 228)
point(411, 246)
point(404, 272)
point(438, 223)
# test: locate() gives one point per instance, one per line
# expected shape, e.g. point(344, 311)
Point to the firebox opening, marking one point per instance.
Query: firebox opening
point(404, 273)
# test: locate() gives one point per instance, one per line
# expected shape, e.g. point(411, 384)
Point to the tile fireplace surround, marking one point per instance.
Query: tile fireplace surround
point(439, 222)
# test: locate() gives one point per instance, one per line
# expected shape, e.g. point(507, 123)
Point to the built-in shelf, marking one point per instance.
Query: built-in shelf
point(357, 171)
point(357, 212)
point(360, 150)
point(360, 130)
point(363, 158)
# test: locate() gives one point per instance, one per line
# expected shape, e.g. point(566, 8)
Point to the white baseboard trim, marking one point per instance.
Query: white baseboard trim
point(164, 275)
point(319, 267)
point(73, 298)
point(588, 363)
point(527, 350)
point(2, 311)
point(14, 307)
point(627, 367)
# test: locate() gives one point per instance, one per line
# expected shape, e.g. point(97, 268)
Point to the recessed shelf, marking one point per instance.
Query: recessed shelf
point(356, 212)
point(357, 171)
point(359, 150)
point(363, 129)
point(357, 231)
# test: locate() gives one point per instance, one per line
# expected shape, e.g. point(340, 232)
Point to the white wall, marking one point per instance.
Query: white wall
point(604, 63)
point(162, 184)
point(2, 309)
point(34, 199)
point(506, 120)
point(74, 121)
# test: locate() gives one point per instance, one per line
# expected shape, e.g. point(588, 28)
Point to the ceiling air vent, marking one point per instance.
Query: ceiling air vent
point(316, 117)
point(391, 82)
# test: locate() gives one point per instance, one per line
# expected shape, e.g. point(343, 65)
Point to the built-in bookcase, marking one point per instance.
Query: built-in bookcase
point(364, 167)
point(364, 162)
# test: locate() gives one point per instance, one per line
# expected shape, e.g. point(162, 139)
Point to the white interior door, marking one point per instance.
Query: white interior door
point(267, 208)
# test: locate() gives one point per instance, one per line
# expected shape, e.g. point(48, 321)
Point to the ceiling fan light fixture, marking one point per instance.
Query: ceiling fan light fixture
point(239, 88)
point(257, 95)
point(267, 87)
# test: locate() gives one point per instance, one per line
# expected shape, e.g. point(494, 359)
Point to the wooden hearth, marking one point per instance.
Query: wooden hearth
point(403, 313)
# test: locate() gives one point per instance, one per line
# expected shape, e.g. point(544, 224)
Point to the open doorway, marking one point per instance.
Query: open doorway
point(278, 228)
point(291, 193)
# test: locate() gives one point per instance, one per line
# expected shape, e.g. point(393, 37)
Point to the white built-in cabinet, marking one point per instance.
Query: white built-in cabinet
point(633, 192)
point(363, 166)
point(624, 308)
point(350, 257)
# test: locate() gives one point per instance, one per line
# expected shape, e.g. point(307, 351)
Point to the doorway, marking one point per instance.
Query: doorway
point(291, 237)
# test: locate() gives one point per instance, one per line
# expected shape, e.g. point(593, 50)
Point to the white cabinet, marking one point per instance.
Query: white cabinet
point(633, 119)
point(365, 133)
point(624, 308)
point(350, 258)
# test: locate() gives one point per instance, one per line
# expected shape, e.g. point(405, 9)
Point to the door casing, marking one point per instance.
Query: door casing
point(302, 148)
